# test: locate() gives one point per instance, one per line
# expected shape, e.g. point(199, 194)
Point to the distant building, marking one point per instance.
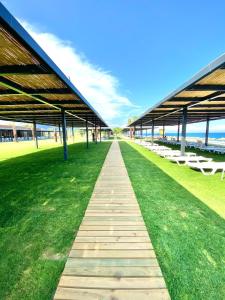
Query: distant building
point(12, 132)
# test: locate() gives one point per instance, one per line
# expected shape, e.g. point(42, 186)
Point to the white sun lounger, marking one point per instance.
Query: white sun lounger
point(158, 148)
point(208, 168)
point(174, 153)
point(183, 160)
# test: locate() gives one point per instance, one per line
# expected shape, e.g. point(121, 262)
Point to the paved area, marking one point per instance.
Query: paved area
point(112, 256)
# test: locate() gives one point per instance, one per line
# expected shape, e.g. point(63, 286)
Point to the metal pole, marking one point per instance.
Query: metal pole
point(96, 133)
point(60, 137)
point(152, 132)
point(65, 150)
point(183, 133)
point(178, 131)
point(55, 134)
point(207, 132)
point(87, 143)
point(35, 134)
point(14, 133)
point(72, 133)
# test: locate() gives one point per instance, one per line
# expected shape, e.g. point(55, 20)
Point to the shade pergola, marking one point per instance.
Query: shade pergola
point(32, 87)
point(200, 99)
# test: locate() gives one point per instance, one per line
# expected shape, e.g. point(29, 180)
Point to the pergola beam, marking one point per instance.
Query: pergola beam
point(207, 87)
point(23, 70)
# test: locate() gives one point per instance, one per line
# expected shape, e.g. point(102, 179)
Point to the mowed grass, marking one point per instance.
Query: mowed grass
point(42, 203)
point(188, 236)
point(209, 189)
point(14, 149)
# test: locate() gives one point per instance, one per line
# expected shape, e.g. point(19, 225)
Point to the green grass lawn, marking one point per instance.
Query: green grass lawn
point(14, 149)
point(188, 236)
point(43, 200)
point(209, 189)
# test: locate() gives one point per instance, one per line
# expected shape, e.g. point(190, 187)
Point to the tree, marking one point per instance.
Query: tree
point(117, 130)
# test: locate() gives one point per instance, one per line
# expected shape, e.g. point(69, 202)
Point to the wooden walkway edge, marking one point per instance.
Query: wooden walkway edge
point(112, 256)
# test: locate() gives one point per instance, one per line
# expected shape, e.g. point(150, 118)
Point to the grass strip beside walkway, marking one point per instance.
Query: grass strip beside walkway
point(43, 200)
point(188, 237)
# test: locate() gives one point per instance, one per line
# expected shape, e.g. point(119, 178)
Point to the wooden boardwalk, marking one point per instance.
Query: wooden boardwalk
point(112, 256)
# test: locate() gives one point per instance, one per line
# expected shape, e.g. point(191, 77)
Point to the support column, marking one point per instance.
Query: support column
point(65, 150)
point(35, 134)
point(96, 138)
point(55, 135)
point(163, 135)
point(87, 142)
point(141, 132)
point(72, 132)
point(178, 131)
point(183, 133)
point(60, 136)
point(100, 133)
point(207, 132)
point(134, 132)
point(153, 131)
point(14, 133)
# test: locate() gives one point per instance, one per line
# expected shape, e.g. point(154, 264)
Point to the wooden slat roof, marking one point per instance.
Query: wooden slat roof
point(32, 87)
point(203, 95)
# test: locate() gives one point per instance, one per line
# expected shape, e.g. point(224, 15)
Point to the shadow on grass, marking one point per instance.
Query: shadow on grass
point(43, 200)
point(189, 238)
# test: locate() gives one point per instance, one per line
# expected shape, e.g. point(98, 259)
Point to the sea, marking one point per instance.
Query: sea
point(201, 135)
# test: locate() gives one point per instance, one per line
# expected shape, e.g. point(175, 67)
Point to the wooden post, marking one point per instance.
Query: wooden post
point(100, 133)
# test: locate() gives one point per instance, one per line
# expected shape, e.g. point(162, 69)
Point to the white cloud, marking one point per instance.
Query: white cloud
point(98, 86)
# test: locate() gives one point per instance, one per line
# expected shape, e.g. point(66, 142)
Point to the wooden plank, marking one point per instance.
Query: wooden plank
point(97, 294)
point(111, 246)
point(117, 218)
point(112, 283)
point(112, 233)
point(116, 223)
point(113, 253)
point(111, 227)
point(112, 262)
point(103, 239)
point(114, 271)
point(111, 214)
point(115, 210)
point(113, 207)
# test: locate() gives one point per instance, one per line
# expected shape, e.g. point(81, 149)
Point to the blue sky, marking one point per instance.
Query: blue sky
point(134, 52)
